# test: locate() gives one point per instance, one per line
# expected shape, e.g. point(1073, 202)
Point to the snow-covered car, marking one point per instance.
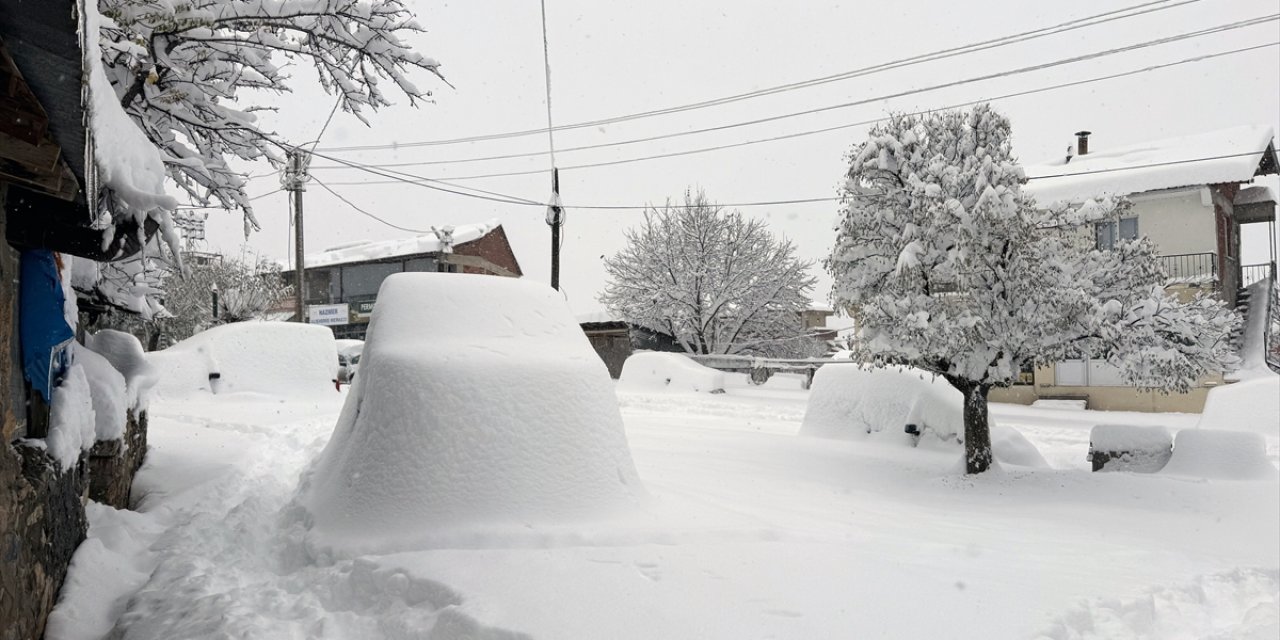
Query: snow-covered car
point(348, 359)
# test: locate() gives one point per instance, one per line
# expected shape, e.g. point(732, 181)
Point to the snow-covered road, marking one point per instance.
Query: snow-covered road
point(751, 532)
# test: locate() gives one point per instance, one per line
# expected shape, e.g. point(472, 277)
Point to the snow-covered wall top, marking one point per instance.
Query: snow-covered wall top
point(1255, 194)
point(366, 251)
point(1226, 155)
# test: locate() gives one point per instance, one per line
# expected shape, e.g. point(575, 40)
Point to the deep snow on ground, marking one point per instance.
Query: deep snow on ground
point(752, 532)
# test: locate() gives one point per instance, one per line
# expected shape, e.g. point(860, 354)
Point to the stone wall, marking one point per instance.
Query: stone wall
point(112, 464)
point(41, 523)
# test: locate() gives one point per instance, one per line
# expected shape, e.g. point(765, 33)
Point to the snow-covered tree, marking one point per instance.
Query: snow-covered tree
point(948, 266)
point(245, 290)
point(188, 73)
point(715, 280)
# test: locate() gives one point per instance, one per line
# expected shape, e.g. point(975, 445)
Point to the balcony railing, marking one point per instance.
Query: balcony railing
point(1251, 273)
point(1191, 268)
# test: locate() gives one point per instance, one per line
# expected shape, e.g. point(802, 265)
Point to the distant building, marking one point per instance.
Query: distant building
point(1190, 196)
point(342, 282)
point(615, 339)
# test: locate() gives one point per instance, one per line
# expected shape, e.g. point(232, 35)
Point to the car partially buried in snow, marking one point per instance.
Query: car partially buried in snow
point(480, 403)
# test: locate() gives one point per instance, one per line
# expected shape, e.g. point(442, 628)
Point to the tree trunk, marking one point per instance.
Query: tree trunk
point(977, 429)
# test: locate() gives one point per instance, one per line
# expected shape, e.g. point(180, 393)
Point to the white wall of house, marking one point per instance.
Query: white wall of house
point(1178, 222)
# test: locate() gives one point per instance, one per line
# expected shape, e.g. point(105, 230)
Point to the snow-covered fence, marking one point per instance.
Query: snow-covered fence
point(761, 369)
point(1122, 447)
point(1272, 330)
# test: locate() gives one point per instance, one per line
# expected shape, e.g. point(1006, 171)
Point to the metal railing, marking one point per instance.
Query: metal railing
point(1251, 273)
point(1191, 268)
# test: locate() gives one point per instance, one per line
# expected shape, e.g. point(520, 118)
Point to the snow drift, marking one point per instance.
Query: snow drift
point(1250, 405)
point(1226, 455)
point(125, 354)
point(479, 402)
point(655, 371)
point(848, 401)
point(107, 392)
point(276, 358)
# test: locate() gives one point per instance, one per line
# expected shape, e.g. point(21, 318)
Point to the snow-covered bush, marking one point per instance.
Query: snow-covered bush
point(949, 267)
point(851, 402)
point(479, 402)
point(655, 371)
point(1124, 447)
point(1227, 455)
point(274, 358)
point(714, 280)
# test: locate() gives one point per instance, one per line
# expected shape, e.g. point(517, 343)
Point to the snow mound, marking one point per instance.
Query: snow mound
point(71, 420)
point(480, 402)
point(275, 358)
point(107, 392)
point(1251, 405)
point(1227, 455)
point(1143, 449)
point(847, 401)
point(855, 402)
point(1236, 605)
point(1061, 403)
point(125, 354)
point(655, 371)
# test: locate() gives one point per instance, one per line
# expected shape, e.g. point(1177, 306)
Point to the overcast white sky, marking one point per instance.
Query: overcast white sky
point(612, 58)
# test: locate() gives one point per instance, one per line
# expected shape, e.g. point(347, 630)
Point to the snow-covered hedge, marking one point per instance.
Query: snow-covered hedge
point(848, 401)
point(656, 371)
point(274, 358)
point(479, 402)
point(1227, 455)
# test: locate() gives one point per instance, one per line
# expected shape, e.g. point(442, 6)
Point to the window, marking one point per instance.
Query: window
point(420, 264)
point(1109, 232)
point(446, 267)
point(363, 280)
point(322, 288)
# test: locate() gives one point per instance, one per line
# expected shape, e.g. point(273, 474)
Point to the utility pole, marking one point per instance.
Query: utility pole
point(555, 218)
point(295, 181)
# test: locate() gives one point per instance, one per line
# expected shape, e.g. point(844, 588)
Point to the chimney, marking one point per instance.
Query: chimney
point(1082, 142)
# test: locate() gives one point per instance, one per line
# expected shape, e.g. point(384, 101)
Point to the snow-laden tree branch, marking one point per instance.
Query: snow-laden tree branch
point(714, 280)
point(181, 70)
point(949, 267)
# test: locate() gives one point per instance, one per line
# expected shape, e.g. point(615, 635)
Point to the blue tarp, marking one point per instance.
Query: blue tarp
point(43, 328)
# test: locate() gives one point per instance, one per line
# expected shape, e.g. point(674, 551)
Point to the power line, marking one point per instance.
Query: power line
point(362, 211)
point(1078, 23)
point(764, 203)
point(1017, 94)
point(257, 197)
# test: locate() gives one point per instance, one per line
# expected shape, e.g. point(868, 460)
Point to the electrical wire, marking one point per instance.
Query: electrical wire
point(765, 203)
point(788, 136)
point(1078, 23)
point(358, 209)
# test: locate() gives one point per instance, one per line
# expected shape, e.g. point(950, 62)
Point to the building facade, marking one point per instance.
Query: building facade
point(1190, 196)
point(342, 282)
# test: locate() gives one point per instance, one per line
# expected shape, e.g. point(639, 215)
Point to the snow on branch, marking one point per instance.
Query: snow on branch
point(180, 68)
point(716, 281)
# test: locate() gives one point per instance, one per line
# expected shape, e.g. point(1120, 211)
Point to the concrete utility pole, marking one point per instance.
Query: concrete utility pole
point(555, 218)
point(295, 181)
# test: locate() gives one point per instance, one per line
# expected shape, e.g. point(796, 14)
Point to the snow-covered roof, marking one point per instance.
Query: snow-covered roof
point(1226, 155)
point(1255, 194)
point(597, 317)
point(368, 250)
